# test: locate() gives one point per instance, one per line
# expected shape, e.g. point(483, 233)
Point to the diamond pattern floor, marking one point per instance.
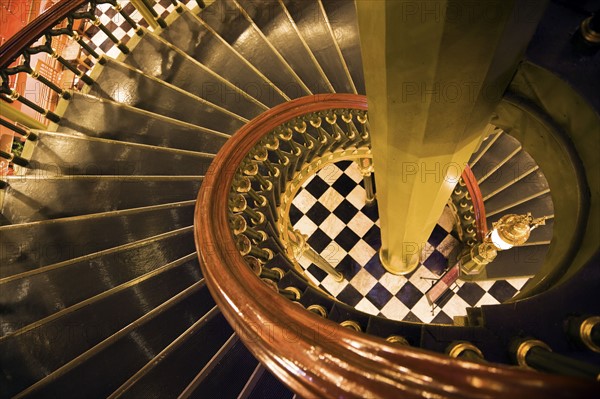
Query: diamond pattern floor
point(330, 209)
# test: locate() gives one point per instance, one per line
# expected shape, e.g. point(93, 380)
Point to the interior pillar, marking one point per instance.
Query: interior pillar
point(434, 71)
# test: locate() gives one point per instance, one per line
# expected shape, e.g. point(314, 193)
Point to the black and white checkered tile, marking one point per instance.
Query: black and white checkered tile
point(119, 27)
point(331, 210)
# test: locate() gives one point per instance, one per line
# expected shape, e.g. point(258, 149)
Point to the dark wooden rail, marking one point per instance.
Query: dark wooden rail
point(316, 357)
point(14, 46)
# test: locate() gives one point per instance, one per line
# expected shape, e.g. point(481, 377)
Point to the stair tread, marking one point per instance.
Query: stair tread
point(168, 374)
point(11, 179)
point(230, 22)
point(216, 358)
point(76, 154)
point(236, 361)
point(512, 171)
point(124, 84)
point(93, 274)
point(269, 387)
point(342, 14)
point(312, 23)
point(157, 57)
point(273, 21)
point(37, 197)
point(32, 245)
point(540, 206)
point(98, 298)
point(108, 119)
point(502, 148)
point(210, 51)
point(80, 367)
point(257, 374)
point(485, 145)
point(531, 185)
point(98, 254)
point(97, 216)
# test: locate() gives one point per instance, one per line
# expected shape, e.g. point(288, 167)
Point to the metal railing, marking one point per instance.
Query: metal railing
point(240, 235)
point(64, 20)
point(38, 38)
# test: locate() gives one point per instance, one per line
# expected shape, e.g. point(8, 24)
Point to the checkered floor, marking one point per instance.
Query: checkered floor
point(331, 210)
point(120, 27)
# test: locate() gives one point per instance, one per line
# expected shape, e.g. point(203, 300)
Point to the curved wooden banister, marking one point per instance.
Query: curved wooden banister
point(13, 47)
point(477, 200)
point(316, 357)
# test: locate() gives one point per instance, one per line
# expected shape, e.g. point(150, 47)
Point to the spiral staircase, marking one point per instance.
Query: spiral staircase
point(102, 292)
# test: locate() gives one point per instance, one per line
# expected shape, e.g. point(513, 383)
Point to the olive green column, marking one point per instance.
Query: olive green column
point(434, 72)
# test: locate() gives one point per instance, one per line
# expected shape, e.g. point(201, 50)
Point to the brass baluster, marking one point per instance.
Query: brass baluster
point(465, 351)
point(117, 6)
point(318, 310)
point(120, 45)
point(301, 248)
point(398, 339)
point(352, 325)
point(161, 22)
point(26, 133)
point(365, 166)
point(244, 245)
point(17, 160)
point(12, 95)
point(535, 354)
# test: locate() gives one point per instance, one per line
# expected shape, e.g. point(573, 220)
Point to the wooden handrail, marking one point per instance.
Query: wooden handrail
point(13, 47)
point(477, 200)
point(316, 357)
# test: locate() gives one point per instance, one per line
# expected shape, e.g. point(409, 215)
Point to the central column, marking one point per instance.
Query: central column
point(434, 72)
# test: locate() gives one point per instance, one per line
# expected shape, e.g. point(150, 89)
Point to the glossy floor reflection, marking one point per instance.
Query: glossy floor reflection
point(331, 210)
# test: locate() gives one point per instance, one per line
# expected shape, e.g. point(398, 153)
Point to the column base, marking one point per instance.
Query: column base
point(398, 266)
